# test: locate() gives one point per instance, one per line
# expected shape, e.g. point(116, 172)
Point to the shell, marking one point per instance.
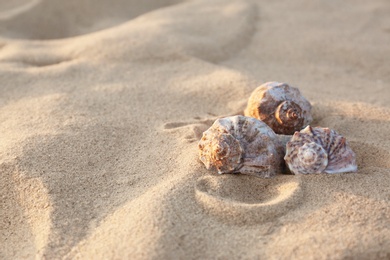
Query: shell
point(280, 106)
point(240, 144)
point(317, 150)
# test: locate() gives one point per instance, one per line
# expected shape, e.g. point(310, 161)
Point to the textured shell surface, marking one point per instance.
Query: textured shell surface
point(240, 144)
point(317, 150)
point(280, 106)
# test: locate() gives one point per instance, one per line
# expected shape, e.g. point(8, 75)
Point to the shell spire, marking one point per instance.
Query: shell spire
point(280, 106)
point(317, 150)
point(240, 144)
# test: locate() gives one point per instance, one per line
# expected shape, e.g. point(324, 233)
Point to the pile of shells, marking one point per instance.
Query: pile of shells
point(256, 143)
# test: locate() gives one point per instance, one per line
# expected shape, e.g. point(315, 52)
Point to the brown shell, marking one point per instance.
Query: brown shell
point(317, 150)
point(240, 144)
point(280, 106)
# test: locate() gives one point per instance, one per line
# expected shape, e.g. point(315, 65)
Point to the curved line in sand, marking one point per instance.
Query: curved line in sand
point(287, 195)
point(9, 13)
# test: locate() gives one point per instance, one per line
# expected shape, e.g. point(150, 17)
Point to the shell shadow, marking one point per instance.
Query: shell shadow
point(377, 157)
point(354, 121)
point(248, 200)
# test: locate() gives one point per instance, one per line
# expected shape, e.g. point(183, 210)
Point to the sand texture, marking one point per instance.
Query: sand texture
point(103, 102)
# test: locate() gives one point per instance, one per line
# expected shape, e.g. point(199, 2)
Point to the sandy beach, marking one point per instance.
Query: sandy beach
point(103, 103)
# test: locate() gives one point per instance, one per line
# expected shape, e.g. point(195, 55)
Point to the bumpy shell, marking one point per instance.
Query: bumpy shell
point(317, 150)
point(241, 144)
point(280, 106)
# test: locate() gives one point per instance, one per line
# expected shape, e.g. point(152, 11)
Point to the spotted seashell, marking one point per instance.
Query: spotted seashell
point(317, 150)
point(240, 144)
point(280, 106)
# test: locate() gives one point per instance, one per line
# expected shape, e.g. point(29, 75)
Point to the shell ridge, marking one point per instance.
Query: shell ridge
point(316, 150)
point(241, 144)
point(267, 101)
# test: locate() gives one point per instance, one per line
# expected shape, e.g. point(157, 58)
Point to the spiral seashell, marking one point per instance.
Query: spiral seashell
point(280, 106)
point(240, 144)
point(317, 150)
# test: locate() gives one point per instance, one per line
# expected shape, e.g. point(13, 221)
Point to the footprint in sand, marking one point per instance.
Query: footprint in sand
point(245, 200)
point(240, 199)
point(191, 130)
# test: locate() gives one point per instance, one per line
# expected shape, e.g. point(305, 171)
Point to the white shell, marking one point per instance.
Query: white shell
point(280, 106)
point(240, 144)
point(317, 150)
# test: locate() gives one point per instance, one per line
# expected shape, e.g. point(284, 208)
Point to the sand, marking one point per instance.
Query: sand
point(102, 104)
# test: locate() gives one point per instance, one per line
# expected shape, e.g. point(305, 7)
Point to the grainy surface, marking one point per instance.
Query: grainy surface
point(99, 128)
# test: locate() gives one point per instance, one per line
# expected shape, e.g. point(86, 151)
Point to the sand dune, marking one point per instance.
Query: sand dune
point(102, 104)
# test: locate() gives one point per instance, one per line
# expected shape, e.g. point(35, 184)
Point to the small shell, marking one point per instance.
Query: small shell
point(280, 106)
point(316, 150)
point(241, 144)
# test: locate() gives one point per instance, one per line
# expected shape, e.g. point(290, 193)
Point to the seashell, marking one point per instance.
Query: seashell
point(240, 144)
point(317, 150)
point(280, 106)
